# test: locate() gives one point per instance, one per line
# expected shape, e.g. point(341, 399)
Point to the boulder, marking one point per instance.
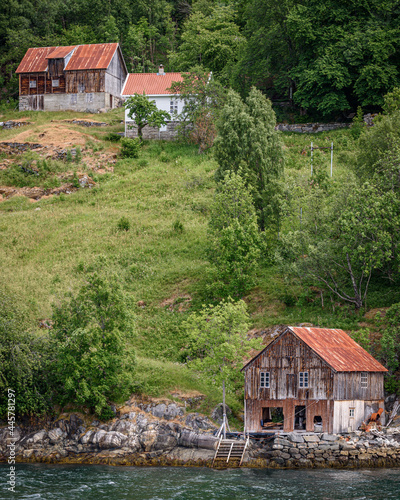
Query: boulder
point(112, 439)
point(198, 422)
point(295, 437)
point(218, 411)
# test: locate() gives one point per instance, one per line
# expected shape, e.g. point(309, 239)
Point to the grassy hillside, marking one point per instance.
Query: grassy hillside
point(165, 196)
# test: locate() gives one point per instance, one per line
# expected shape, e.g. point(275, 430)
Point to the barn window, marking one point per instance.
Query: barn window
point(303, 379)
point(81, 87)
point(264, 380)
point(32, 84)
point(89, 97)
point(351, 412)
point(55, 82)
point(364, 380)
point(74, 98)
point(173, 107)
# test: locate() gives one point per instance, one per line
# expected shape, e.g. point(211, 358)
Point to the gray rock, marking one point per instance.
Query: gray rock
point(330, 437)
point(311, 438)
point(112, 439)
point(198, 422)
point(218, 411)
point(56, 435)
point(295, 437)
point(39, 436)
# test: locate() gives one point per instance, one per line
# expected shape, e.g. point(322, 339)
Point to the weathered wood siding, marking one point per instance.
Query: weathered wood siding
point(55, 67)
point(323, 409)
point(115, 75)
point(347, 385)
point(88, 81)
point(284, 360)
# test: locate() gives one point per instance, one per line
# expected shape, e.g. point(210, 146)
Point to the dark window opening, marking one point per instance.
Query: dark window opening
point(299, 417)
point(272, 418)
point(317, 423)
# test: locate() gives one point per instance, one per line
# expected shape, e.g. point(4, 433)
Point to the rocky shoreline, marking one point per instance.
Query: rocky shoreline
point(163, 434)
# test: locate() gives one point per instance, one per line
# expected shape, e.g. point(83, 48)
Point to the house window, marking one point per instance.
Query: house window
point(81, 87)
point(364, 381)
point(351, 412)
point(32, 84)
point(89, 97)
point(303, 379)
point(173, 107)
point(74, 98)
point(55, 83)
point(264, 380)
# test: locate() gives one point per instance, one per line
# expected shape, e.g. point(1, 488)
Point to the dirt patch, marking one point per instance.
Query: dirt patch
point(56, 135)
point(177, 302)
point(373, 312)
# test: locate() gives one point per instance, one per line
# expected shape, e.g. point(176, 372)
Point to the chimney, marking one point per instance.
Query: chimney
point(161, 70)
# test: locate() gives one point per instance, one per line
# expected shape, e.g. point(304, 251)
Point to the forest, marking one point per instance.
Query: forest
point(324, 58)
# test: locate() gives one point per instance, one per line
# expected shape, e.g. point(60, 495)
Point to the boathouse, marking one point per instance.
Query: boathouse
point(312, 379)
point(77, 78)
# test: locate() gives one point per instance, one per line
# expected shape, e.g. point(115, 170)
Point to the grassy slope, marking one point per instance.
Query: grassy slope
point(43, 245)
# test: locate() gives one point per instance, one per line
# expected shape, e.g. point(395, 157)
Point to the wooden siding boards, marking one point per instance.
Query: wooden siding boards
point(115, 75)
point(85, 81)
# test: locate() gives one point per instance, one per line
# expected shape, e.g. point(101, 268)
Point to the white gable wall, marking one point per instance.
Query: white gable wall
point(163, 103)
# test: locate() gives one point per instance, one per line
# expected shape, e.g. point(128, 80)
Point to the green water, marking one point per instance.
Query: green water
point(169, 483)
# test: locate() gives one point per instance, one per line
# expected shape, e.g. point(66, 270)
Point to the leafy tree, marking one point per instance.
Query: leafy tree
point(247, 140)
point(218, 342)
point(203, 97)
point(390, 340)
point(234, 241)
point(210, 40)
point(91, 334)
point(23, 360)
point(341, 252)
point(145, 112)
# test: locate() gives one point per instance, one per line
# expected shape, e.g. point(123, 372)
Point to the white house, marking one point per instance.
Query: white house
point(155, 86)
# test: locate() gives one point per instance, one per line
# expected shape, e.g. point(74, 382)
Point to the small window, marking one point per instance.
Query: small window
point(81, 87)
point(303, 379)
point(74, 98)
point(89, 97)
point(351, 412)
point(32, 84)
point(173, 107)
point(289, 350)
point(364, 381)
point(264, 380)
point(55, 82)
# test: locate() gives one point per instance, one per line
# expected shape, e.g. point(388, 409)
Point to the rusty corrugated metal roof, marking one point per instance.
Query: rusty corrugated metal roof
point(61, 52)
point(338, 349)
point(34, 60)
point(95, 56)
point(335, 347)
point(150, 83)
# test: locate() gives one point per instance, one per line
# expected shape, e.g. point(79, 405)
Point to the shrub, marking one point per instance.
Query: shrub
point(123, 224)
point(112, 137)
point(130, 147)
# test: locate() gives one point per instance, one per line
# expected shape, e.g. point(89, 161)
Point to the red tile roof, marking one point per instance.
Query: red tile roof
point(150, 83)
point(95, 56)
point(335, 347)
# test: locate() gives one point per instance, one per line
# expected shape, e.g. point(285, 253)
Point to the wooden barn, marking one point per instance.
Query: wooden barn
point(77, 78)
point(312, 379)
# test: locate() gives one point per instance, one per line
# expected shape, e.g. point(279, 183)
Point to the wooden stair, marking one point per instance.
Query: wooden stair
point(230, 453)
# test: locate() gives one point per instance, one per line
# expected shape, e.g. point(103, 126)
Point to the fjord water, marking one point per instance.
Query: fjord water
point(38, 481)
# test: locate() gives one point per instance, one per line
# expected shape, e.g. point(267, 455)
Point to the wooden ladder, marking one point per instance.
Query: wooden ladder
point(230, 453)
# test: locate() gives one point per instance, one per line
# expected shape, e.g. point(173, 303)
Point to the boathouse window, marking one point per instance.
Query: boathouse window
point(55, 82)
point(351, 412)
point(264, 380)
point(364, 381)
point(303, 379)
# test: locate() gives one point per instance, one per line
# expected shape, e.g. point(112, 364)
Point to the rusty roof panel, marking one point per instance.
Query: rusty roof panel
point(150, 83)
point(60, 52)
point(95, 56)
point(338, 349)
point(35, 60)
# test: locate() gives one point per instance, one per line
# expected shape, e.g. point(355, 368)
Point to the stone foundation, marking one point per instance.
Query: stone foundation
point(297, 450)
point(82, 102)
point(153, 132)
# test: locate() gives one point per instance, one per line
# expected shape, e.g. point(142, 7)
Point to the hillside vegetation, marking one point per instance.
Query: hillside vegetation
point(144, 224)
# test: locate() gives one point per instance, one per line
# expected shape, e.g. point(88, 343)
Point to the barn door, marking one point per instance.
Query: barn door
point(41, 102)
point(291, 388)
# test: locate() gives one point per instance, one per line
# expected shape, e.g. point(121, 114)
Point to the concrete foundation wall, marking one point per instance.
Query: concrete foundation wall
point(84, 102)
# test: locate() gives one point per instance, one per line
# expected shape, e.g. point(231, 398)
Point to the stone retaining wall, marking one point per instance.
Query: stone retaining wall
point(310, 128)
point(296, 450)
point(13, 124)
point(153, 132)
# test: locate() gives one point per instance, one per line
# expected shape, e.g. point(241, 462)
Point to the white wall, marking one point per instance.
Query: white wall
point(342, 422)
point(163, 103)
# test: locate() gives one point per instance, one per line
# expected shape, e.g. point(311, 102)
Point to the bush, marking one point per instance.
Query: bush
point(123, 224)
point(112, 137)
point(130, 148)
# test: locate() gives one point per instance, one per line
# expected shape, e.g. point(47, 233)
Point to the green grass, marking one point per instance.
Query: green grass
point(164, 196)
